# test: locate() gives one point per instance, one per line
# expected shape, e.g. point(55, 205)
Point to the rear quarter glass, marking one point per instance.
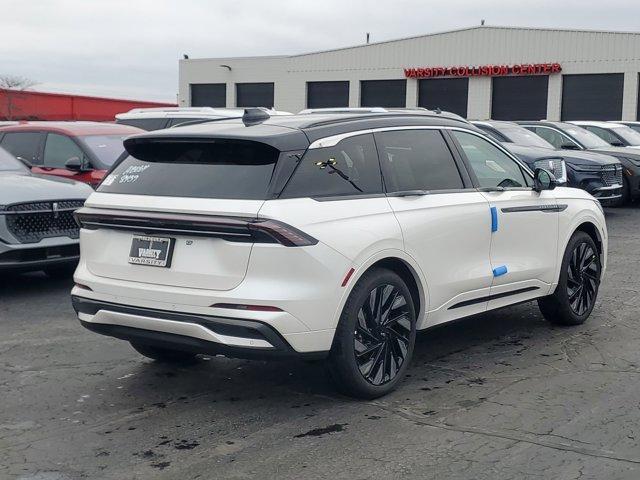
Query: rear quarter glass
point(229, 169)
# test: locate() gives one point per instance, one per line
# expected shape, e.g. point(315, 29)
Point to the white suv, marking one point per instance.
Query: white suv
point(168, 117)
point(327, 235)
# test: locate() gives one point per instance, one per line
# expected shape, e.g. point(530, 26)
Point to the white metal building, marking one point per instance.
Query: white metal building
point(480, 72)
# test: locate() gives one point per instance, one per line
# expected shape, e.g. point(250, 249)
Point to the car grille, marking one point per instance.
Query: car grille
point(31, 222)
point(612, 175)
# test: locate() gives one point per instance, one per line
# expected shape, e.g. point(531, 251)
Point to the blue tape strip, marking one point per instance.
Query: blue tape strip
point(494, 219)
point(499, 271)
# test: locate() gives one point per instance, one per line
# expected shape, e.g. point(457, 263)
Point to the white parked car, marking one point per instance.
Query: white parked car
point(336, 236)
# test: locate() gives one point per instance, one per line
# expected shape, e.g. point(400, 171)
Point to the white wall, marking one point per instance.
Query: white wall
point(576, 51)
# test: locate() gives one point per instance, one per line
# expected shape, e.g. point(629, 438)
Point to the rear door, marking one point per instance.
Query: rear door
point(525, 222)
point(170, 189)
point(445, 223)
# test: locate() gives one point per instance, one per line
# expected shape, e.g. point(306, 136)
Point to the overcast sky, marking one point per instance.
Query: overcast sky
point(130, 48)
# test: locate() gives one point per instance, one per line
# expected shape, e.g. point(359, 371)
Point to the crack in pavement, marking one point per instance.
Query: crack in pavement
point(412, 417)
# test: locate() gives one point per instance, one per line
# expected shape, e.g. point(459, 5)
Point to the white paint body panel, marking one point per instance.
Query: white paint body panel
point(444, 239)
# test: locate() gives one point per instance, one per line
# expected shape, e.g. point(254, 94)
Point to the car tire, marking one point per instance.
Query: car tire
point(60, 271)
point(577, 290)
point(164, 355)
point(375, 338)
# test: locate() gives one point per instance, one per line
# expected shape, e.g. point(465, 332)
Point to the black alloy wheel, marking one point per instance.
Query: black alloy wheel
point(583, 274)
point(382, 334)
point(575, 296)
point(375, 337)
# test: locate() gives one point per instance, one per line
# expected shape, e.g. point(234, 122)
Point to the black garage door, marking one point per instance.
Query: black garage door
point(327, 94)
point(519, 98)
point(383, 93)
point(592, 96)
point(254, 95)
point(208, 95)
point(449, 94)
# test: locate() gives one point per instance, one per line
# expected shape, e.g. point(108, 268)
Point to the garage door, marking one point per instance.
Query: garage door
point(449, 94)
point(519, 98)
point(592, 97)
point(327, 94)
point(208, 95)
point(383, 93)
point(254, 95)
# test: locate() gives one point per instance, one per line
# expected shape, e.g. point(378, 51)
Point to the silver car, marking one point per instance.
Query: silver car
point(37, 228)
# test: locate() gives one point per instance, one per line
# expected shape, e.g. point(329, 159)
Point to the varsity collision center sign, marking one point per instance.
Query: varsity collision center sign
point(483, 70)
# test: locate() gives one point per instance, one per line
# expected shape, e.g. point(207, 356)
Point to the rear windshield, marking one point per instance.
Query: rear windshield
point(230, 169)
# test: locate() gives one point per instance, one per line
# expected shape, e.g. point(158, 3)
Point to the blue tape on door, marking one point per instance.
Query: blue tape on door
point(494, 219)
point(499, 271)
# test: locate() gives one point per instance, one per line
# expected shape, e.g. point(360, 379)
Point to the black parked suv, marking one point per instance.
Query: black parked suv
point(567, 136)
point(596, 173)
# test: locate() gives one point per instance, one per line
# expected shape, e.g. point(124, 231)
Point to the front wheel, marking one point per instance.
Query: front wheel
point(577, 290)
point(374, 341)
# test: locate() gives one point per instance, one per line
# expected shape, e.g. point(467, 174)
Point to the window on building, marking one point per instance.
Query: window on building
point(447, 94)
point(254, 95)
point(383, 93)
point(208, 95)
point(417, 160)
point(327, 94)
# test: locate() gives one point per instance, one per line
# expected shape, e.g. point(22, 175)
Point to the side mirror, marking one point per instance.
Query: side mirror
point(616, 143)
point(543, 180)
point(75, 164)
point(569, 146)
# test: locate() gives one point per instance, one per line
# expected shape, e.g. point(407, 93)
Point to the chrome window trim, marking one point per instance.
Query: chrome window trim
point(333, 140)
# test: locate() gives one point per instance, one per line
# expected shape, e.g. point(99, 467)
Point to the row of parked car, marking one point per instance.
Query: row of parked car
point(37, 230)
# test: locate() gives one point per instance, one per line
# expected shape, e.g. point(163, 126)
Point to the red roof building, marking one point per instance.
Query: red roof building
point(30, 105)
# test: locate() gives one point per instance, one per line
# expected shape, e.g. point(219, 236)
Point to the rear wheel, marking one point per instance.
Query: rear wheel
point(164, 355)
point(374, 341)
point(577, 290)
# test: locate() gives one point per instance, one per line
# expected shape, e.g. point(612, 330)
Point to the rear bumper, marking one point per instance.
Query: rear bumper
point(203, 334)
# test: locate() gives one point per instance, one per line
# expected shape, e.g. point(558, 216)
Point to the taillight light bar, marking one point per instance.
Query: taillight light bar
point(233, 229)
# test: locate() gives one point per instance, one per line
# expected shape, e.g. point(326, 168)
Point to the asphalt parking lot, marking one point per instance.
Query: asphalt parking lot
point(498, 396)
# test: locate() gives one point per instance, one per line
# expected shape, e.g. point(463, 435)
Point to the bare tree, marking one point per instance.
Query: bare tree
point(12, 86)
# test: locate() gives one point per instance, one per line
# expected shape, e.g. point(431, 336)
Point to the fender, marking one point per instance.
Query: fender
point(566, 232)
point(361, 268)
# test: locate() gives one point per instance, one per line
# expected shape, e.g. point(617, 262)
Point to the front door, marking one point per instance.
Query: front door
point(445, 222)
point(524, 237)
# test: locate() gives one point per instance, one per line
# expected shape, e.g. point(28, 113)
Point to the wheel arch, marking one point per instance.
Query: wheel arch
point(403, 265)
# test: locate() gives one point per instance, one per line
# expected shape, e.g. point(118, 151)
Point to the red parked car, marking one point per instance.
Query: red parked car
point(82, 151)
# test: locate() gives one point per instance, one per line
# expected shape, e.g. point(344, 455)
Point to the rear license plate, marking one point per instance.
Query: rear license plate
point(152, 251)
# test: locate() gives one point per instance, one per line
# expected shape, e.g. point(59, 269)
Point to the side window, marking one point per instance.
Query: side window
point(606, 135)
point(179, 121)
point(349, 168)
point(22, 144)
point(497, 136)
point(144, 123)
point(492, 167)
point(417, 160)
point(554, 138)
point(58, 149)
